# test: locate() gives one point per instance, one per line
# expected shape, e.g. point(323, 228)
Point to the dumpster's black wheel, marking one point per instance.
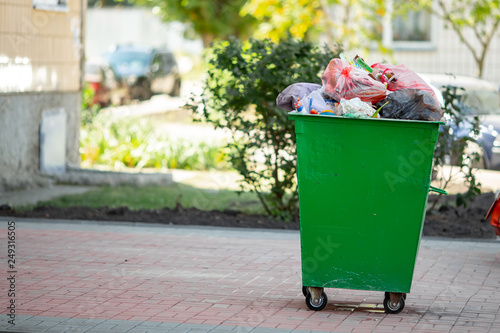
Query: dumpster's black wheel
point(387, 295)
point(393, 308)
point(317, 307)
point(305, 290)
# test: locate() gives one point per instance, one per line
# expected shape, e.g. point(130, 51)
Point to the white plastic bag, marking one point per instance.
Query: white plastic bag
point(355, 107)
point(315, 102)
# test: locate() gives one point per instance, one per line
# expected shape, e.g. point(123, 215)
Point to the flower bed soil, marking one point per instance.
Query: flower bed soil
point(447, 221)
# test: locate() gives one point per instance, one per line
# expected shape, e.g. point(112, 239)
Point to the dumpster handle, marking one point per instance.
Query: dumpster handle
point(438, 190)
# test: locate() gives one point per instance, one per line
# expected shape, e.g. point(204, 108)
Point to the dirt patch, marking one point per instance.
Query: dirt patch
point(462, 222)
point(448, 221)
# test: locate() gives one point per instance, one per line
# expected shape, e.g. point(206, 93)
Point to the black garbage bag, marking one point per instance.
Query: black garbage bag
point(412, 104)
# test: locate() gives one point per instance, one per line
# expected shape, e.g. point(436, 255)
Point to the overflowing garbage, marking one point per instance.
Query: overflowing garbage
point(352, 88)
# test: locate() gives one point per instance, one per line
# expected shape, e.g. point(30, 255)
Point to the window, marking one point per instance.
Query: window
point(412, 30)
point(54, 5)
point(413, 27)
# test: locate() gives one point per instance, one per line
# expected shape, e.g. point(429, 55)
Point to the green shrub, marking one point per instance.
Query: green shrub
point(134, 143)
point(89, 110)
point(240, 91)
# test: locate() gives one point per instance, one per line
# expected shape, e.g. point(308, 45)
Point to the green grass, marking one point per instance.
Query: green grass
point(155, 197)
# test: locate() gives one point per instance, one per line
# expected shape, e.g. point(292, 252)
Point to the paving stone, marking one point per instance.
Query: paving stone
point(180, 329)
point(156, 330)
point(125, 278)
point(225, 328)
point(99, 330)
point(269, 330)
point(103, 327)
point(137, 330)
point(168, 325)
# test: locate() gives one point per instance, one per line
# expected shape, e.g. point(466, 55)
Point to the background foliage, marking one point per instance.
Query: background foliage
point(134, 143)
point(277, 19)
point(211, 20)
point(244, 79)
point(452, 148)
point(474, 21)
point(357, 23)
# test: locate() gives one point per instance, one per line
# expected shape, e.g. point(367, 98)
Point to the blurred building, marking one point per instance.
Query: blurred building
point(133, 25)
point(427, 44)
point(41, 55)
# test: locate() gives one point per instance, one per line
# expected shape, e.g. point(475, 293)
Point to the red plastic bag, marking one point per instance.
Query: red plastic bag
point(405, 78)
point(342, 80)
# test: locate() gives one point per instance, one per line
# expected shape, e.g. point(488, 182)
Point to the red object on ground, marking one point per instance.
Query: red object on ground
point(494, 213)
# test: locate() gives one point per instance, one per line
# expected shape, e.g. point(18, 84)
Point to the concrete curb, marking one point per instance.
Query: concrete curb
point(93, 177)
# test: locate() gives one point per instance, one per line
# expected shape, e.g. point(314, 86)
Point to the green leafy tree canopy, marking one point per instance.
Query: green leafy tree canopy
point(278, 19)
point(215, 19)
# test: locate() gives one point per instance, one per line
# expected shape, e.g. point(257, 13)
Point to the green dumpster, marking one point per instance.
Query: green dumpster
point(363, 186)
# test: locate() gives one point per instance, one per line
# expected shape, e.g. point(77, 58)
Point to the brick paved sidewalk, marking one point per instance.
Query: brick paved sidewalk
point(76, 277)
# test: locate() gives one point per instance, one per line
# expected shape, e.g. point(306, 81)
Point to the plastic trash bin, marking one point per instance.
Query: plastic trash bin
point(363, 186)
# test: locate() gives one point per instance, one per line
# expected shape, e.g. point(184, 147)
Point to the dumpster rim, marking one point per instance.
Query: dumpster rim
point(294, 114)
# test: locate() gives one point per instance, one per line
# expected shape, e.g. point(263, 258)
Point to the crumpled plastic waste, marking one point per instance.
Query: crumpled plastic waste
point(411, 104)
point(342, 80)
point(290, 97)
point(364, 91)
point(356, 108)
point(405, 78)
point(315, 103)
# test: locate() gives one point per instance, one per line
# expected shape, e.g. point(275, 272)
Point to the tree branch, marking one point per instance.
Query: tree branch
point(447, 17)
